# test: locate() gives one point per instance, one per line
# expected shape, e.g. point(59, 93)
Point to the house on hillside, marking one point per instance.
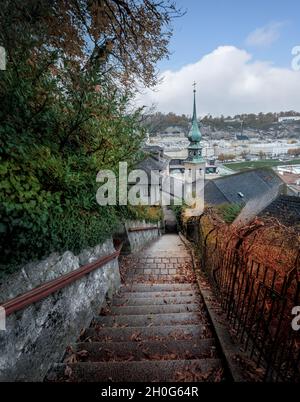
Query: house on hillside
point(288, 119)
point(292, 181)
point(173, 131)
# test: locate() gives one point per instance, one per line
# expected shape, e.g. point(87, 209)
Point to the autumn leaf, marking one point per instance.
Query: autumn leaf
point(68, 371)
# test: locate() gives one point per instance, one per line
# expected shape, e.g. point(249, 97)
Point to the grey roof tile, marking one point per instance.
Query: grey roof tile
point(241, 187)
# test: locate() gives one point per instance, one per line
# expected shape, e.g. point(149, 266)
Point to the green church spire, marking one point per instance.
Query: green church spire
point(194, 134)
point(195, 148)
point(194, 108)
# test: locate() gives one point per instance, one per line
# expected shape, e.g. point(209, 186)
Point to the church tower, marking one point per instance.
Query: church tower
point(194, 162)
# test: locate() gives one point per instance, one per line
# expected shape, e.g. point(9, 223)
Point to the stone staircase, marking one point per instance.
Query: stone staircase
point(155, 329)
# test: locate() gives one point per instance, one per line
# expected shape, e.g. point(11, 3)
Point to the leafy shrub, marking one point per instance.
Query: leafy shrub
point(52, 147)
point(65, 114)
point(178, 211)
point(229, 211)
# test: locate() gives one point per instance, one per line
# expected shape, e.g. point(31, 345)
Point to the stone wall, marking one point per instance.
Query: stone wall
point(38, 335)
point(138, 239)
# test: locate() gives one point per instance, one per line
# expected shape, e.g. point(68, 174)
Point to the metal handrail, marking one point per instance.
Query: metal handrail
point(47, 288)
point(140, 229)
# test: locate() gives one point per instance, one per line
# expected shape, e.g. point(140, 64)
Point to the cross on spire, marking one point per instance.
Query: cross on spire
point(194, 85)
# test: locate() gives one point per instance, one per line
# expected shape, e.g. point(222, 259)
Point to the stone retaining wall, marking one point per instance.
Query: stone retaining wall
point(139, 238)
point(38, 335)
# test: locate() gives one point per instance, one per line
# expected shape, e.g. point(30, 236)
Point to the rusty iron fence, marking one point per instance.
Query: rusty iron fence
point(258, 301)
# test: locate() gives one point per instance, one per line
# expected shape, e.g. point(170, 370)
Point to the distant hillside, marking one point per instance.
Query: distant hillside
point(159, 122)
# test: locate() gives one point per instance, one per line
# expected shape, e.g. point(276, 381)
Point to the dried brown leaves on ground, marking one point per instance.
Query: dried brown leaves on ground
point(75, 356)
point(194, 374)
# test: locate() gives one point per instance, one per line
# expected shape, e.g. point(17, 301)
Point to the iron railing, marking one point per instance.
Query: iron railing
point(258, 301)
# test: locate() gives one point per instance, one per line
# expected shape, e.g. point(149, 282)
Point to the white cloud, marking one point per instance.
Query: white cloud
point(266, 35)
point(229, 82)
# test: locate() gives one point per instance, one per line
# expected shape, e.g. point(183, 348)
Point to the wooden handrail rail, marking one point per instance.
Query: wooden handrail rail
point(140, 229)
point(47, 288)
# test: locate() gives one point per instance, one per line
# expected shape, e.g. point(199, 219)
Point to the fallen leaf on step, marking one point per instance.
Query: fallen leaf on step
point(83, 353)
point(71, 359)
point(68, 371)
point(136, 337)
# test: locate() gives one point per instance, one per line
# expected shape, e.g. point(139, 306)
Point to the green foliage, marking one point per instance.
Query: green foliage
point(149, 213)
point(48, 188)
point(178, 210)
point(58, 127)
point(266, 163)
point(229, 211)
point(66, 113)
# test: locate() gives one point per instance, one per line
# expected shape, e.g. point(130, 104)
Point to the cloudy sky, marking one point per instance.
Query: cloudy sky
point(238, 52)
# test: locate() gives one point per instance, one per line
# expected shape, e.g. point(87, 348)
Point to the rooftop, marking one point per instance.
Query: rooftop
point(289, 178)
point(286, 209)
point(150, 164)
point(240, 187)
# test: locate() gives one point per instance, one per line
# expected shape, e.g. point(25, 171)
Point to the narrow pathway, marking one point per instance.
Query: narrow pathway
point(170, 222)
point(155, 330)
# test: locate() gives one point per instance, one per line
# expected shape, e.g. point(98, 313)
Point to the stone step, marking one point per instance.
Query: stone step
point(158, 287)
point(154, 309)
point(151, 350)
point(136, 371)
point(158, 278)
point(183, 293)
point(138, 334)
point(144, 301)
point(147, 320)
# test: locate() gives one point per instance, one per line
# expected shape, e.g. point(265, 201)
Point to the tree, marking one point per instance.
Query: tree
point(158, 122)
point(65, 113)
point(226, 157)
point(122, 38)
point(262, 155)
point(294, 151)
